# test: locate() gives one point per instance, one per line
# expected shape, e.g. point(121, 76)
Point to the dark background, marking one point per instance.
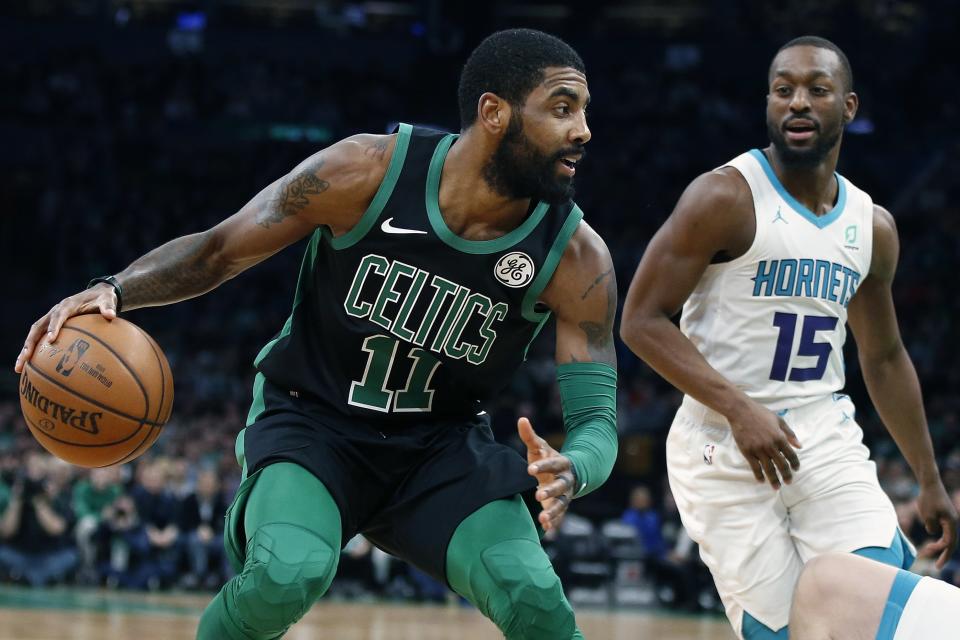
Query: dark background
point(125, 124)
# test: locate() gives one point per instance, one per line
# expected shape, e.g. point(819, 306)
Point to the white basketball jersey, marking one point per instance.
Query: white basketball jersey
point(773, 321)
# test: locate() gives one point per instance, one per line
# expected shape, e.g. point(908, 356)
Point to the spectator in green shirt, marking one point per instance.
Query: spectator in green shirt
point(91, 496)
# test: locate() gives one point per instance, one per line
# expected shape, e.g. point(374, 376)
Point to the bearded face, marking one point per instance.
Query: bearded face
point(520, 169)
point(816, 142)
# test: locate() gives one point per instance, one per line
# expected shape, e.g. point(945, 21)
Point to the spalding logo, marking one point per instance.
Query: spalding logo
point(68, 416)
point(514, 269)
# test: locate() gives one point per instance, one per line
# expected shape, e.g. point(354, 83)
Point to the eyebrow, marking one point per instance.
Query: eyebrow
point(814, 73)
point(568, 93)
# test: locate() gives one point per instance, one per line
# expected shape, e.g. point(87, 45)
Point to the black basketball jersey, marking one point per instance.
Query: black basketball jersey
point(401, 320)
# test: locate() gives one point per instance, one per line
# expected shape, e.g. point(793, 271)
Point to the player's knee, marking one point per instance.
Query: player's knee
point(816, 585)
point(528, 601)
point(287, 569)
point(815, 590)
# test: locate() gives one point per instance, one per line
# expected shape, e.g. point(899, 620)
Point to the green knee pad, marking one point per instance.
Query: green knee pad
point(287, 569)
point(526, 600)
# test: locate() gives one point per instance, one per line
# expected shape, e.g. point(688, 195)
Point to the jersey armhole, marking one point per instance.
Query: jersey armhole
point(542, 279)
point(369, 217)
point(869, 215)
point(750, 176)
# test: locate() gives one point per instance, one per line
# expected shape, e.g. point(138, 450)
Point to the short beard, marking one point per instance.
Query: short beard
point(517, 169)
point(802, 158)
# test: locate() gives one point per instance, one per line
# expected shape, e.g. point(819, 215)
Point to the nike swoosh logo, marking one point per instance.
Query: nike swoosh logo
point(389, 228)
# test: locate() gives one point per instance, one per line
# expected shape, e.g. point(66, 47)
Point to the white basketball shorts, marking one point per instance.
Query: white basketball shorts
point(755, 540)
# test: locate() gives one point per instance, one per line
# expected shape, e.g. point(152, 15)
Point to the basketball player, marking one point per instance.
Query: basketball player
point(433, 261)
point(770, 255)
point(845, 596)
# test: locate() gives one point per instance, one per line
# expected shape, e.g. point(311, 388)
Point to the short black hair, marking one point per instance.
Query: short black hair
point(821, 43)
point(510, 63)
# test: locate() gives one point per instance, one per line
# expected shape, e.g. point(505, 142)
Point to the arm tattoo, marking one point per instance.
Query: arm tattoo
point(379, 148)
point(180, 269)
point(293, 195)
point(600, 334)
point(596, 282)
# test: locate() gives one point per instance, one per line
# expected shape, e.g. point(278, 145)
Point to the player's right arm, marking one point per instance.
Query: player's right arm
point(713, 220)
point(330, 188)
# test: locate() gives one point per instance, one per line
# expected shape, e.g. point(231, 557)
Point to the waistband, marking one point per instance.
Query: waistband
point(701, 413)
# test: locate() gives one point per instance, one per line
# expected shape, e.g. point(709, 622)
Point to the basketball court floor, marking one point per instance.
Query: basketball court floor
point(72, 614)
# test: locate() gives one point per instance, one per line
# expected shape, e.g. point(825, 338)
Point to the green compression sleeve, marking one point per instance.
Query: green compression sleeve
point(588, 395)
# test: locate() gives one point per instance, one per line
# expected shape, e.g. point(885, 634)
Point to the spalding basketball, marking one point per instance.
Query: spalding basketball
point(100, 394)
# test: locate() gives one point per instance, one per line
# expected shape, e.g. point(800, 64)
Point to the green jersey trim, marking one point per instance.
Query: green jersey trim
point(258, 404)
point(309, 259)
point(369, 217)
point(449, 237)
point(542, 279)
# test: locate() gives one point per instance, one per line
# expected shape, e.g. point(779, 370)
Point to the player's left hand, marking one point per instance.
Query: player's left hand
point(554, 474)
point(938, 515)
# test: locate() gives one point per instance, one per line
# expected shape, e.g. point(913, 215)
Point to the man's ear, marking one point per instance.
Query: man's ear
point(493, 113)
point(851, 103)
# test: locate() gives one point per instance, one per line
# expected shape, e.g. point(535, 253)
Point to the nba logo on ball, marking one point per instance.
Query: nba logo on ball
point(72, 356)
point(514, 269)
point(708, 451)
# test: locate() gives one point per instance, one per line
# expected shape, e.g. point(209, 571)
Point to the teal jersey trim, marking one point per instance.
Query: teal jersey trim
point(753, 629)
point(903, 586)
point(542, 279)
point(449, 237)
point(306, 268)
point(818, 221)
point(898, 555)
point(369, 217)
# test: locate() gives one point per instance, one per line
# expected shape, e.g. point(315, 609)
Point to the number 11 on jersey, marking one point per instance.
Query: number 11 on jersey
point(371, 391)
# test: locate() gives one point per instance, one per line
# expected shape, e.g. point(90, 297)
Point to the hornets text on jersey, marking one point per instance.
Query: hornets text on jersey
point(773, 321)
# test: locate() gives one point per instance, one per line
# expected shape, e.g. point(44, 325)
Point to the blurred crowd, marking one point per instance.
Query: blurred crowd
point(119, 138)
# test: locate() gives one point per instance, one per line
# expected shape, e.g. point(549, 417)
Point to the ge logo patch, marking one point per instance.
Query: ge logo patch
point(514, 269)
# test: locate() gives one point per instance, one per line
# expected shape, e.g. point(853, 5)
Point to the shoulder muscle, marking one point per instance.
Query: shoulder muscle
point(583, 296)
point(886, 245)
point(714, 215)
point(333, 187)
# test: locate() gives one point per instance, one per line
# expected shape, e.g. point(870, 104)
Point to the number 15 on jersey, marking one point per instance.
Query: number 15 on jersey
point(811, 325)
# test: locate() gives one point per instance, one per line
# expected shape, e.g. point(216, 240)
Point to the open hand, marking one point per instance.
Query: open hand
point(938, 515)
point(102, 298)
point(554, 474)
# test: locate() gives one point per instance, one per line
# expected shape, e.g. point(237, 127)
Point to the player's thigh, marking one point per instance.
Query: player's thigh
point(292, 526)
point(836, 502)
point(463, 469)
point(840, 596)
point(741, 525)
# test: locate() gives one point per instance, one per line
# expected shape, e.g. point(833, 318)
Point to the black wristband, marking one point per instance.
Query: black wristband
point(576, 480)
point(113, 282)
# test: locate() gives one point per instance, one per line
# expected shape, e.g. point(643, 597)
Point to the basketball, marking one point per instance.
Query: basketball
point(100, 394)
